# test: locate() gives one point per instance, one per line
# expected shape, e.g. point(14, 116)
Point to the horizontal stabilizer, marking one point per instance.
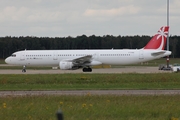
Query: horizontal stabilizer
point(158, 53)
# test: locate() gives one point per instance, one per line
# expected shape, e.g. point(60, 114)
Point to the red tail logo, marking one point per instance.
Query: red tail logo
point(159, 40)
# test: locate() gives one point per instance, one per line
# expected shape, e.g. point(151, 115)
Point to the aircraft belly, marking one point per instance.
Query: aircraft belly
point(118, 60)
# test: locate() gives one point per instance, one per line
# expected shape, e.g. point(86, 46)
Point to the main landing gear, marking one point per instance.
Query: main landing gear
point(87, 69)
point(24, 69)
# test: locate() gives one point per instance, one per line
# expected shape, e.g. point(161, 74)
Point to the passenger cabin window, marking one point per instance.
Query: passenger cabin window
point(13, 55)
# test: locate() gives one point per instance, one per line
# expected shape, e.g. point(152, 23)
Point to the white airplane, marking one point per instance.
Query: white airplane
point(75, 59)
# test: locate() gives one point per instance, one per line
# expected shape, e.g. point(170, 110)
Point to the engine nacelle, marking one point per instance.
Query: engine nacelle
point(64, 65)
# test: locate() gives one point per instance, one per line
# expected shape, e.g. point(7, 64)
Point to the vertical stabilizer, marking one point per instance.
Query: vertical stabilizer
point(159, 40)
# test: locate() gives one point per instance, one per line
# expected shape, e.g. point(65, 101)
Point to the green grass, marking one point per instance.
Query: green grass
point(88, 107)
point(91, 107)
point(89, 81)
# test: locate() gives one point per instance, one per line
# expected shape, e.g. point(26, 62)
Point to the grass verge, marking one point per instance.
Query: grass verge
point(88, 107)
point(89, 81)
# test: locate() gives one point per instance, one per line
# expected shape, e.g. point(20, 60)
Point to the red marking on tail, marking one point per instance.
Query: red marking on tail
point(159, 40)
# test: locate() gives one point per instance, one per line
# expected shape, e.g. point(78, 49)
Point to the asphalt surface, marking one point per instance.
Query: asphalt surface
point(90, 92)
point(101, 70)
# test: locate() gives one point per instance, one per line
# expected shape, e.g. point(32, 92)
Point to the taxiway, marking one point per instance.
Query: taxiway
point(100, 70)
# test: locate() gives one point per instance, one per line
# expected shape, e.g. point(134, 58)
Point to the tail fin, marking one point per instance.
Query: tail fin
point(159, 40)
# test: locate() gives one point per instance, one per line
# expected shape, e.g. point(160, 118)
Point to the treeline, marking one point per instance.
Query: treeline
point(9, 44)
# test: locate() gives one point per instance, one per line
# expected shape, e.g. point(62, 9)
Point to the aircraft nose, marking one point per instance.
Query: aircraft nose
point(7, 60)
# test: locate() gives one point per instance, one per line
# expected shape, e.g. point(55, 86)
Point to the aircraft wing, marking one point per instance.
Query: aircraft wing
point(158, 53)
point(81, 60)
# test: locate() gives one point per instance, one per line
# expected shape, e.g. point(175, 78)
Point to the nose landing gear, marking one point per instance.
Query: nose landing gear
point(24, 69)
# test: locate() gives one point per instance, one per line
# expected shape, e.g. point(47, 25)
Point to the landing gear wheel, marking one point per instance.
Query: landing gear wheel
point(87, 69)
point(24, 69)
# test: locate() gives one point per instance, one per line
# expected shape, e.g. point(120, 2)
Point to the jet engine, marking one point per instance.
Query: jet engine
point(65, 65)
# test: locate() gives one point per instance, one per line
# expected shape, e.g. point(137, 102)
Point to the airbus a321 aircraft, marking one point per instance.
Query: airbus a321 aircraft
point(75, 59)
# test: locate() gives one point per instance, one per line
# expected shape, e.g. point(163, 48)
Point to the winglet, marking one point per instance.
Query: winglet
point(159, 40)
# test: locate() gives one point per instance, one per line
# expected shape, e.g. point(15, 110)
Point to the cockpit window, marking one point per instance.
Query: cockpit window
point(13, 55)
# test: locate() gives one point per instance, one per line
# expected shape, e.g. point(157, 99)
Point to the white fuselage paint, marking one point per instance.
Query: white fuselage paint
point(111, 57)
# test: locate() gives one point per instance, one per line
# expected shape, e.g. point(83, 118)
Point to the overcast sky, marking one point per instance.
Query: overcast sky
point(62, 18)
